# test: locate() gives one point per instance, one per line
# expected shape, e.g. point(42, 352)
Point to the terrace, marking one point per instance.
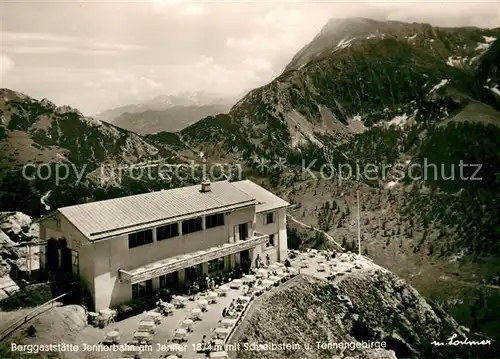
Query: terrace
point(180, 335)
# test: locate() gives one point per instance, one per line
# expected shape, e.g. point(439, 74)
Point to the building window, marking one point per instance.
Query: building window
point(270, 218)
point(271, 241)
point(142, 289)
point(58, 224)
point(140, 238)
point(191, 274)
point(213, 265)
point(163, 281)
point(192, 225)
point(216, 265)
point(168, 231)
point(170, 280)
point(214, 220)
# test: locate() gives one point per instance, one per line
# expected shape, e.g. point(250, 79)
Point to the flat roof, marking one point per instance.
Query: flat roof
point(266, 201)
point(103, 219)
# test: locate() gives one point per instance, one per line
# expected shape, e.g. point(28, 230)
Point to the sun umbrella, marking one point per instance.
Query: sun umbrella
point(202, 303)
point(187, 323)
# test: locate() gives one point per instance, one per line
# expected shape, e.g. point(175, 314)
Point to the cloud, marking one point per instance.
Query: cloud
point(9, 36)
point(44, 43)
point(192, 10)
point(257, 65)
point(96, 89)
point(278, 34)
point(6, 64)
point(441, 13)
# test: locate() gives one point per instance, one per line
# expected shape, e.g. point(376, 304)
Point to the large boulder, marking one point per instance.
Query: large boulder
point(19, 226)
point(14, 222)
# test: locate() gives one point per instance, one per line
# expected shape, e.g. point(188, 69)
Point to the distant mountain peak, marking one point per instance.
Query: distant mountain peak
point(164, 102)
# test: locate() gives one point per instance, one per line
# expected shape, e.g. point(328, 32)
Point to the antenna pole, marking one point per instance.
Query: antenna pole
point(359, 228)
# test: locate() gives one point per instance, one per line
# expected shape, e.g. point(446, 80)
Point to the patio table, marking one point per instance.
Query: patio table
point(202, 304)
point(235, 284)
point(195, 314)
point(226, 322)
point(222, 332)
point(223, 289)
point(249, 278)
point(212, 297)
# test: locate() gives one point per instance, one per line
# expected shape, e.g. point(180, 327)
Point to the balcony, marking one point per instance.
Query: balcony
point(174, 264)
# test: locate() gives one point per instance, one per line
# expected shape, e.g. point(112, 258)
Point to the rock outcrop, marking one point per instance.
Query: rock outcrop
point(373, 313)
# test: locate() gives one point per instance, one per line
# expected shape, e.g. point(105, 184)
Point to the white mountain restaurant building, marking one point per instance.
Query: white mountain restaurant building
point(131, 246)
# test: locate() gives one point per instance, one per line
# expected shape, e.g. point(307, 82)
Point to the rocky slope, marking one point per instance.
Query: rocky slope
point(364, 305)
point(38, 139)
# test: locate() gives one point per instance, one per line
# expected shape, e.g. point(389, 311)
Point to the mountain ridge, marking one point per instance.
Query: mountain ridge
point(164, 102)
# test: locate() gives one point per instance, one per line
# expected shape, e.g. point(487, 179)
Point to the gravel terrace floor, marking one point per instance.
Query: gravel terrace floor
point(165, 331)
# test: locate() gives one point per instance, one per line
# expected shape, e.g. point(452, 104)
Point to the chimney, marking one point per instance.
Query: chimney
point(205, 183)
point(205, 186)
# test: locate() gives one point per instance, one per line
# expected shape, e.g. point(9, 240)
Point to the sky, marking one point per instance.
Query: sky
point(96, 55)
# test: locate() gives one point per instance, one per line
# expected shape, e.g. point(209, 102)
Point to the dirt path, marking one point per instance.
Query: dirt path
point(314, 229)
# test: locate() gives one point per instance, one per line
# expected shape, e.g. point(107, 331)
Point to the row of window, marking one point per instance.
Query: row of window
point(140, 238)
point(188, 226)
point(172, 230)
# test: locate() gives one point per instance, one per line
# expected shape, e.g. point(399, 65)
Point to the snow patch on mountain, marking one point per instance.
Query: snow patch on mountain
point(494, 89)
point(391, 184)
point(439, 85)
point(483, 46)
point(489, 39)
point(356, 124)
point(344, 43)
point(473, 60)
point(399, 121)
point(410, 38)
point(456, 61)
